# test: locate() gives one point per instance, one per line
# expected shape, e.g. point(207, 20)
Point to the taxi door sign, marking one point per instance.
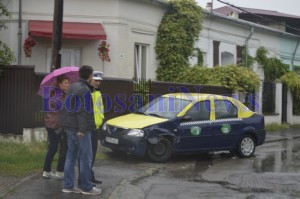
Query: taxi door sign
point(195, 130)
point(226, 128)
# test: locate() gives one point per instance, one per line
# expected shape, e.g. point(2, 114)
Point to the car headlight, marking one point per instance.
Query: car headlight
point(136, 133)
point(104, 126)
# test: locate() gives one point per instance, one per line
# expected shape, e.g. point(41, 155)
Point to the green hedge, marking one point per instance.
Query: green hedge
point(239, 79)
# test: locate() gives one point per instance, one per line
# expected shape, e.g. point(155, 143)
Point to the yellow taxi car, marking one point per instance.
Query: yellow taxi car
point(185, 123)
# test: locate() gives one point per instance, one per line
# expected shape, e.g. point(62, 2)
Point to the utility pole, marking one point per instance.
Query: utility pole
point(57, 34)
point(20, 34)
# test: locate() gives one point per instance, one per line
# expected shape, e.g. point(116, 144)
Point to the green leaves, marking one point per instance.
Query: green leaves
point(235, 78)
point(273, 67)
point(177, 33)
point(292, 80)
point(6, 54)
point(3, 12)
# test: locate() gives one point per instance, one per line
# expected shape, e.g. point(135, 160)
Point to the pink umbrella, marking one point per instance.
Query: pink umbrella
point(72, 72)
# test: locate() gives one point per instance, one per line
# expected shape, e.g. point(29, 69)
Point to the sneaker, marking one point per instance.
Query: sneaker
point(74, 190)
point(94, 180)
point(94, 191)
point(59, 175)
point(79, 184)
point(49, 174)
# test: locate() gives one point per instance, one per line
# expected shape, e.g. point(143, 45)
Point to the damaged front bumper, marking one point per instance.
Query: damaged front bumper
point(125, 143)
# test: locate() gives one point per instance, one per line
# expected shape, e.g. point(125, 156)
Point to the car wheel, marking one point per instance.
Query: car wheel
point(246, 146)
point(161, 151)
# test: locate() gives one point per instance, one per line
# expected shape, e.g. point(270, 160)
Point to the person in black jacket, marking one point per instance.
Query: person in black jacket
point(77, 120)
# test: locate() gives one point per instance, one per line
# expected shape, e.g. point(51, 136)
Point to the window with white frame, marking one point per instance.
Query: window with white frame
point(69, 57)
point(140, 60)
point(227, 58)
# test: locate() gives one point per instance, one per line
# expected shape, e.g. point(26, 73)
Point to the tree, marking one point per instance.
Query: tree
point(6, 54)
point(177, 34)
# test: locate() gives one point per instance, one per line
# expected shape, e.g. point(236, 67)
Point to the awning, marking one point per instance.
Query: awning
point(71, 30)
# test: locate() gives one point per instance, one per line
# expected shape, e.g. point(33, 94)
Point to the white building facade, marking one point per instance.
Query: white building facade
point(130, 27)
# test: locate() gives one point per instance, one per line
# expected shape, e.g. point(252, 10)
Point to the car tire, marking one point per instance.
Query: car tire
point(161, 151)
point(246, 146)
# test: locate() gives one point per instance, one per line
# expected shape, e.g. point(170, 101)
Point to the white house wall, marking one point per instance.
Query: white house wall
point(130, 22)
point(230, 35)
point(126, 22)
point(139, 23)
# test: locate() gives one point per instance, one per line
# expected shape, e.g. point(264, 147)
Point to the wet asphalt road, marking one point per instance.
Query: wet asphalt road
point(273, 173)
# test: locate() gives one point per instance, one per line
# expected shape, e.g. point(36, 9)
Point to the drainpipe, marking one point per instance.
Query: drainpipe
point(294, 54)
point(246, 43)
point(20, 34)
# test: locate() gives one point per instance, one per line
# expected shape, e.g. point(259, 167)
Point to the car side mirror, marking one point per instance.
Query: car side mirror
point(187, 118)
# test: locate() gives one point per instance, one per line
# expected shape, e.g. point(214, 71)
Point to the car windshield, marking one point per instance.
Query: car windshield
point(165, 107)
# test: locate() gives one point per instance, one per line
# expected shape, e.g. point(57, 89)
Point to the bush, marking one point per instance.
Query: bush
point(292, 80)
point(239, 79)
point(276, 127)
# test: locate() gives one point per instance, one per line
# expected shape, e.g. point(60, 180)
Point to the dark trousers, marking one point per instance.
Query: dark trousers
point(94, 139)
point(55, 140)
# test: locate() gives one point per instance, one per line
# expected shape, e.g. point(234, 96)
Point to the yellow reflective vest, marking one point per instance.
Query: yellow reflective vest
point(98, 108)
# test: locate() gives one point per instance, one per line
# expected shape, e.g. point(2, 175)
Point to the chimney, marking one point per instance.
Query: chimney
point(209, 6)
point(234, 14)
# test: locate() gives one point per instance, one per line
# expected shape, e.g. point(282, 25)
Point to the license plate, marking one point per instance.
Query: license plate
point(111, 140)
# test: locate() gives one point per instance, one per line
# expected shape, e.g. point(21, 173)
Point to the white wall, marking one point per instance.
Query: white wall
point(276, 118)
point(126, 22)
point(292, 119)
point(230, 35)
point(142, 19)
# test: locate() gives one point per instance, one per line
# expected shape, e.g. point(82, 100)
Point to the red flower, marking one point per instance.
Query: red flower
point(103, 50)
point(27, 46)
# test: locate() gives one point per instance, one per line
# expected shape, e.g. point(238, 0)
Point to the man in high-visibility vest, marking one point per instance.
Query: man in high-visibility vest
point(98, 115)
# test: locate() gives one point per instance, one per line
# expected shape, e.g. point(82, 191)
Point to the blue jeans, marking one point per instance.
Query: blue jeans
point(78, 149)
point(94, 142)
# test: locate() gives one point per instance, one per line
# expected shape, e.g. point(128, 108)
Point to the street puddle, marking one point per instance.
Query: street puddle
point(192, 166)
point(285, 159)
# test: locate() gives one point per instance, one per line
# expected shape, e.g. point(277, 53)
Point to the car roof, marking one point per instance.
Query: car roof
point(244, 111)
point(198, 96)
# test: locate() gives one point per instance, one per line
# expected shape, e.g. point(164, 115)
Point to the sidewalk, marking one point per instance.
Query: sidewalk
point(114, 173)
point(283, 135)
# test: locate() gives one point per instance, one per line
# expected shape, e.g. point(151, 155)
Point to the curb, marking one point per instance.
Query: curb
point(282, 139)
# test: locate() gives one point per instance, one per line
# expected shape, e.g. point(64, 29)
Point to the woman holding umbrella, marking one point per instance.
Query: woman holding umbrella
point(56, 136)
